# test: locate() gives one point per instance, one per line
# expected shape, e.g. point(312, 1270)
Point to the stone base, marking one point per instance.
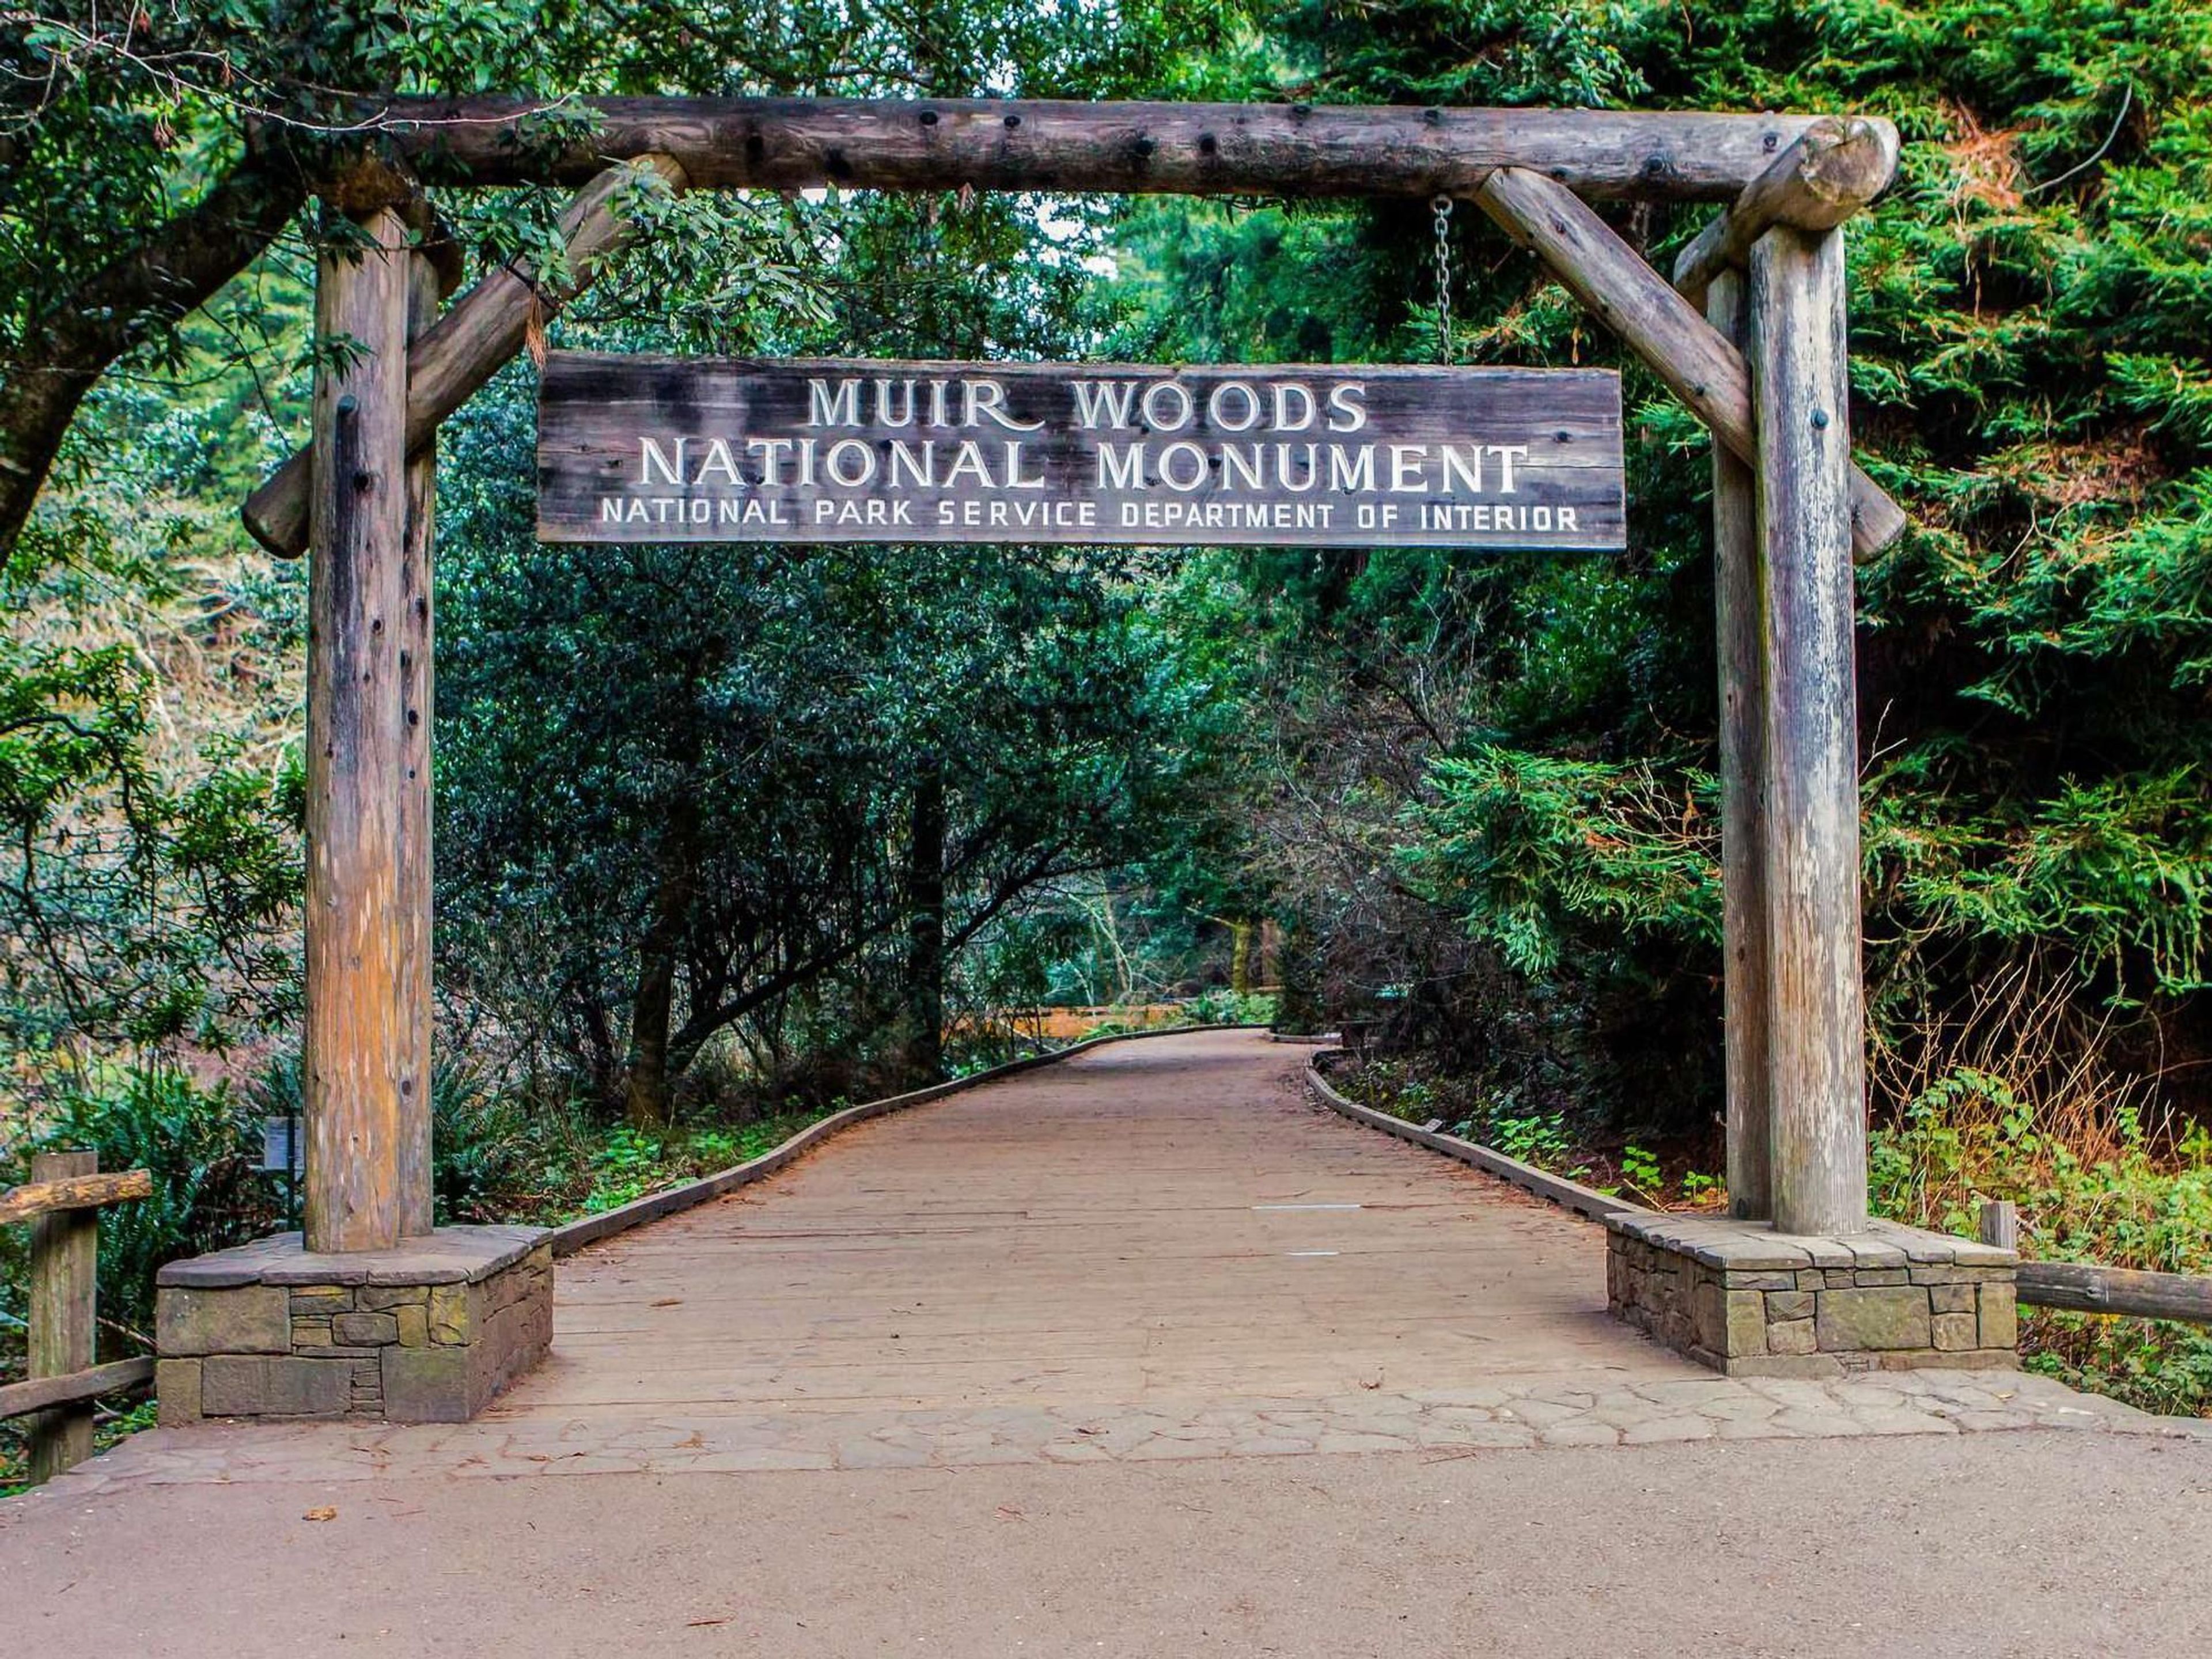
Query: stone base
point(427, 1332)
point(1744, 1299)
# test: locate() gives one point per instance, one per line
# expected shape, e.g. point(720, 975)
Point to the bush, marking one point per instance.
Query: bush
point(200, 1146)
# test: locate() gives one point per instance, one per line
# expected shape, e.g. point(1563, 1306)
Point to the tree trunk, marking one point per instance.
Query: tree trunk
point(143, 291)
point(649, 1079)
point(924, 1014)
point(1241, 953)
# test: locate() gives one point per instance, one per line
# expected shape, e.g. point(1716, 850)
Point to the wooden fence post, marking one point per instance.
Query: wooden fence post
point(64, 1314)
point(1816, 1045)
point(2000, 1224)
point(1744, 990)
point(358, 1029)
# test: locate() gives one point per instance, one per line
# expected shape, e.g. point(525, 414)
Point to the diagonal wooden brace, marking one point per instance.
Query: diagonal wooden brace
point(468, 345)
point(1661, 327)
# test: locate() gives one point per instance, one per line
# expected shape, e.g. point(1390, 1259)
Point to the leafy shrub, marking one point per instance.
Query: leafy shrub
point(1227, 1007)
point(200, 1146)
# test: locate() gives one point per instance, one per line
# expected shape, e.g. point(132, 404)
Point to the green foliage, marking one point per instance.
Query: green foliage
point(2123, 1197)
point(200, 1144)
point(1532, 849)
point(1226, 1007)
point(1488, 781)
point(1639, 1169)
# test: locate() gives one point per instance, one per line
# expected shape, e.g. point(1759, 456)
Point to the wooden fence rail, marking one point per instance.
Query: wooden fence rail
point(2087, 1287)
point(61, 1202)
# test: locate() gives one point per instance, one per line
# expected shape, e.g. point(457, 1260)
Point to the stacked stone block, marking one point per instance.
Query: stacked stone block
point(429, 1332)
point(1746, 1300)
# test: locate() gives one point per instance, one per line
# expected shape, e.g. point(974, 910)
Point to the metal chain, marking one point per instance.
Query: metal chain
point(1442, 207)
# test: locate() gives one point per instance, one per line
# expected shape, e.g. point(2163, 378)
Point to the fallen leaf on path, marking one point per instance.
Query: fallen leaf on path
point(694, 1624)
point(326, 1513)
point(669, 1302)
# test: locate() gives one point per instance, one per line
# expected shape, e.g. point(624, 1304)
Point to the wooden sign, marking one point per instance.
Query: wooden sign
point(679, 449)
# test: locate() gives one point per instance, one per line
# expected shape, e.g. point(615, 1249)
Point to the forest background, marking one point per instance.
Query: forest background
point(728, 836)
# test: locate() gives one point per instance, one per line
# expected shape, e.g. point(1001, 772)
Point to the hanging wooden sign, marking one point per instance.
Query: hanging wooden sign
point(668, 449)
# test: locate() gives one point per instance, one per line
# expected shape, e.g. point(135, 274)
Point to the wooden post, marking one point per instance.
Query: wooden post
point(1816, 1045)
point(2000, 1224)
point(358, 1048)
point(64, 1314)
point(1744, 988)
point(417, 674)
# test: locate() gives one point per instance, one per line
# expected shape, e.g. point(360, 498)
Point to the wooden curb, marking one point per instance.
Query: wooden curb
point(592, 1228)
point(2074, 1286)
point(1586, 1201)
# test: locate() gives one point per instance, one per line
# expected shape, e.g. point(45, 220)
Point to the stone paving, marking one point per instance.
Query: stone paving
point(1450, 1422)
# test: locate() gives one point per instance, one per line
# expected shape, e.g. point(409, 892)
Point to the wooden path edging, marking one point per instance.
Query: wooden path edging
point(1585, 1201)
point(591, 1228)
point(2071, 1286)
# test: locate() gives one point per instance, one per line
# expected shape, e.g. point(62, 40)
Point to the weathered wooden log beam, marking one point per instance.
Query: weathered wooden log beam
point(20, 1398)
point(479, 332)
point(1816, 1029)
point(2083, 1287)
point(1658, 324)
point(83, 1192)
point(354, 1053)
point(1832, 170)
point(1739, 581)
point(1203, 149)
point(417, 697)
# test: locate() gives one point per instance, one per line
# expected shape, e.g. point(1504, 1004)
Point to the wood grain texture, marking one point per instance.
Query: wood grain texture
point(63, 1313)
point(1206, 149)
point(1832, 170)
point(356, 1047)
point(418, 700)
point(478, 335)
point(2086, 1287)
point(21, 1399)
point(1999, 1224)
point(36, 1198)
point(659, 449)
point(1816, 1041)
point(1126, 1226)
point(1737, 589)
point(1662, 328)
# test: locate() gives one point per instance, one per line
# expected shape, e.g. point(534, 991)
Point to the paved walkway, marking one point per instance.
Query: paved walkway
point(1159, 1250)
point(828, 1417)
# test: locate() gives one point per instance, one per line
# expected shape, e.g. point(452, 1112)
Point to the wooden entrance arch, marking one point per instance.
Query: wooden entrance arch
point(1750, 334)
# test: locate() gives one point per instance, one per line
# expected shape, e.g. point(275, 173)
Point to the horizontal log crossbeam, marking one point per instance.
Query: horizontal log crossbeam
point(2084, 1287)
point(1203, 149)
point(1832, 171)
point(84, 1191)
